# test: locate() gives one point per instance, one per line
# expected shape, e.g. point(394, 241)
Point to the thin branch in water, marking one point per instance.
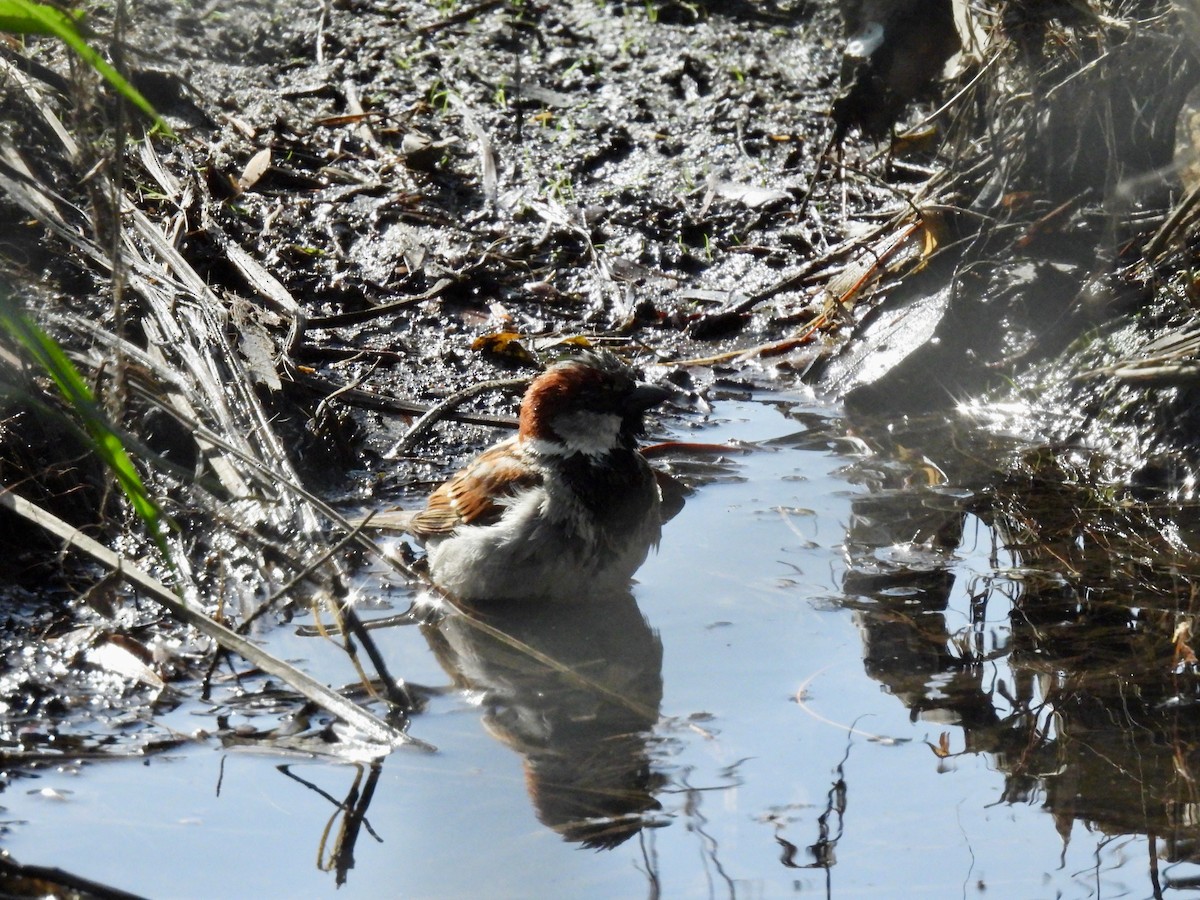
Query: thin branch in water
point(446, 407)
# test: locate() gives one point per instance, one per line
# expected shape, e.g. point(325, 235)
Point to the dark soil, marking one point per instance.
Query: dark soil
point(545, 170)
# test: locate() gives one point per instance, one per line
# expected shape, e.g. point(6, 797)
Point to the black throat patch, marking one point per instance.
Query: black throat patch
point(617, 487)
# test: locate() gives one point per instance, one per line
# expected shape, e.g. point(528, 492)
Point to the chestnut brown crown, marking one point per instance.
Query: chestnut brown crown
point(591, 402)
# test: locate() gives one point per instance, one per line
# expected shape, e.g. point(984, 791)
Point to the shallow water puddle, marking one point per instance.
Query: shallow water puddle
point(812, 732)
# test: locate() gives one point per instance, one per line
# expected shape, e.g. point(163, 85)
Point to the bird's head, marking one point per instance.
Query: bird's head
point(590, 403)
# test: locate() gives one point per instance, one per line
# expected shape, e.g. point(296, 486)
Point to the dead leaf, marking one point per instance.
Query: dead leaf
point(102, 596)
point(922, 140)
point(258, 351)
point(259, 163)
point(114, 658)
point(1184, 655)
point(750, 196)
point(255, 343)
point(421, 151)
point(335, 121)
point(500, 313)
point(505, 344)
point(567, 344)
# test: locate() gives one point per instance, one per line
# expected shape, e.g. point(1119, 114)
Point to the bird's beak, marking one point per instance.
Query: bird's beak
point(645, 396)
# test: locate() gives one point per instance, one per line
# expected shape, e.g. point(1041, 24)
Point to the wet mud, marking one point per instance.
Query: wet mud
point(390, 202)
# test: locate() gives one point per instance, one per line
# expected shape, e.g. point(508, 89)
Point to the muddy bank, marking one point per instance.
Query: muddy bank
point(367, 209)
point(372, 206)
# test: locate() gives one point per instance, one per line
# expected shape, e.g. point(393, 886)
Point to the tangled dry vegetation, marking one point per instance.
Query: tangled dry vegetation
point(370, 209)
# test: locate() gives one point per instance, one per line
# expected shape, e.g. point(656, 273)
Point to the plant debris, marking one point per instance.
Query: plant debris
point(373, 207)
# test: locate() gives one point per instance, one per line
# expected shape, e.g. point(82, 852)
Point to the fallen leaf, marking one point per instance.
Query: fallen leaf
point(255, 169)
point(751, 197)
point(1184, 655)
point(942, 748)
point(116, 659)
point(505, 344)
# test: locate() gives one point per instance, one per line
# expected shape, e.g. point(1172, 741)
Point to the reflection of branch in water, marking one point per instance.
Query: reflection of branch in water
point(650, 858)
point(353, 812)
point(970, 849)
point(824, 849)
point(1086, 696)
point(691, 809)
point(1097, 869)
point(801, 700)
point(1152, 844)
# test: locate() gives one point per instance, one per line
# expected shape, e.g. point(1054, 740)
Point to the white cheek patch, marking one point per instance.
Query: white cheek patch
point(590, 433)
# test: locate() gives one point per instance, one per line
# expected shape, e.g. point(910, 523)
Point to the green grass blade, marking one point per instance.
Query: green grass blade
point(107, 444)
point(27, 17)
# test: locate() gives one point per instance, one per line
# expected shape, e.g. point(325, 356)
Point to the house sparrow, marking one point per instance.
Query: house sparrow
point(566, 509)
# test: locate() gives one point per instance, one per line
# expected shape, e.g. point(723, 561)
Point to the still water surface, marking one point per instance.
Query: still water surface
point(792, 711)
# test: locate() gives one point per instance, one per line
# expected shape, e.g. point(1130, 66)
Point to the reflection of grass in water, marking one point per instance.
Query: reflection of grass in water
point(1093, 704)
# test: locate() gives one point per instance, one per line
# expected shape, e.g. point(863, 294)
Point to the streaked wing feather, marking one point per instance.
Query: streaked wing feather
point(475, 495)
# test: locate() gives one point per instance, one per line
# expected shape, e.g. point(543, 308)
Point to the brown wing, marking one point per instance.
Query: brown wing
point(475, 495)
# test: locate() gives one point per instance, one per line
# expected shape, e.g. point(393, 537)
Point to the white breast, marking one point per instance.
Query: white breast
point(540, 549)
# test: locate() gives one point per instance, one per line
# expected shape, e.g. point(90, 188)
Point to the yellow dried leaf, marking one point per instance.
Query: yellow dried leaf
point(942, 749)
point(1184, 655)
point(506, 344)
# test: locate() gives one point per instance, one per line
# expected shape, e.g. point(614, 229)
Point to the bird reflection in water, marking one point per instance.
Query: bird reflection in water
point(575, 688)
